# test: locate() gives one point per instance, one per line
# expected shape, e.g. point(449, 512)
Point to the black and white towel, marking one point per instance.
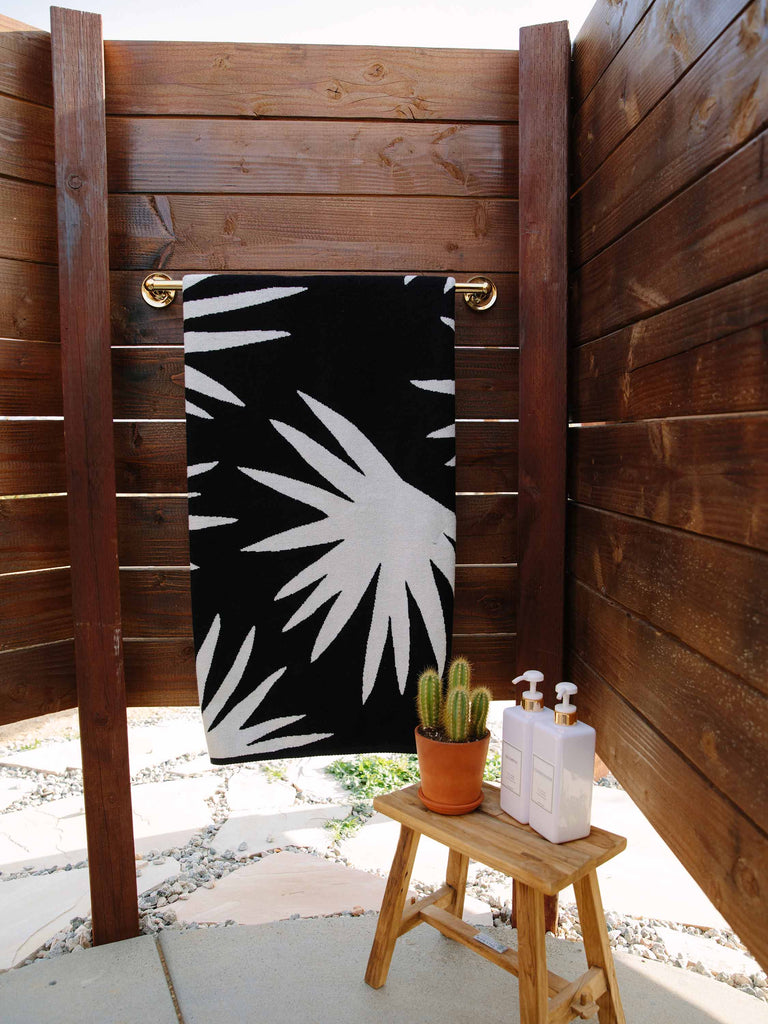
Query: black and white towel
point(320, 450)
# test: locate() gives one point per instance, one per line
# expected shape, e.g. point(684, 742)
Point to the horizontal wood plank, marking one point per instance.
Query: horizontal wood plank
point(29, 301)
point(306, 232)
point(157, 603)
point(712, 596)
point(136, 323)
point(721, 847)
point(714, 232)
point(605, 30)
point(667, 41)
point(252, 80)
point(161, 673)
point(718, 722)
point(33, 534)
point(712, 111)
point(26, 130)
point(35, 608)
point(708, 476)
point(727, 375)
point(37, 681)
point(315, 157)
point(32, 458)
point(148, 383)
point(30, 378)
point(25, 62)
point(27, 221)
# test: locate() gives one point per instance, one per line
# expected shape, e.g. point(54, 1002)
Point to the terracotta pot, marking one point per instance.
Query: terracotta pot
point(451, 774)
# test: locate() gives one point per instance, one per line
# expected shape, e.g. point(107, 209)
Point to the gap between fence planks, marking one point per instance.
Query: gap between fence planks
point(81, 188)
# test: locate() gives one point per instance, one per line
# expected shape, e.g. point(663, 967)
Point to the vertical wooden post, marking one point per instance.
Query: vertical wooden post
point(544, 83)
point(81, 191)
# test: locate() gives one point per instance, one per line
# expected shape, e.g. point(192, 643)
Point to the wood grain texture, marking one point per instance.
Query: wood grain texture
point(723, 850)
point(27, 221)
point(136, 323)
point(29, 301)
point(148, 383)
point(390, 916)
point(709, 476)
point(668, 40)
point(714, 232)
point(727, 375)
point(531, 951)
point(710, 595)
point(25, 62)
point(597, 946)
point(30, 378)
point(316, 157)
point(702, 320)
point(81, 189)
point(715, 720)
point(35, 608)
point(37, 681)
point(260, 81)
point(605, 30)
point(27, 133)
point(33, 534)
point(304, 232)
point(544, 91)
point(720, 104)
point(32, 458)
point(161, 673)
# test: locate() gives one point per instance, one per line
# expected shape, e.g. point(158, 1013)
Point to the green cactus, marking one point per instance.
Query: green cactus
point(480, 701)
point(456, 715)
point(428, 699)
point(459, 674)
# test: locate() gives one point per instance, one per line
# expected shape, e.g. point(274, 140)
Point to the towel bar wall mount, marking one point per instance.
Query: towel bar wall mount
point(159, 290)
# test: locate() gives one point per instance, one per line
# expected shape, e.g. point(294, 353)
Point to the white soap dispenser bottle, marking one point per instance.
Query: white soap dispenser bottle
point(562, 772)
point(516, 749)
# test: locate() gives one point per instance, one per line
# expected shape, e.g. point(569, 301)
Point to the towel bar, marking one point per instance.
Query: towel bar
point(159, 290)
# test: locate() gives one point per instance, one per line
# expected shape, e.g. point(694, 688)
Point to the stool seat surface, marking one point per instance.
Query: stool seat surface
point(490, 836)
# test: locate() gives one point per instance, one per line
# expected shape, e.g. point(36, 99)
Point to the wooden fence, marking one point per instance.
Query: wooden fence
point(668, 475)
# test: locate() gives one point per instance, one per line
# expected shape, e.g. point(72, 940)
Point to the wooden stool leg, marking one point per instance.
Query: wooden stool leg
point(532, 954)
point(597, 946)
point(391, 912)
point(551, 911)
point(456, 877)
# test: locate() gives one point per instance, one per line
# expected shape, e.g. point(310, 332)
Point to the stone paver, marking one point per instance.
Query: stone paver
point(120, 983)
point(33, 909)
point(697, 948)
point(153, 873)
point(50, 757)
point(276, 887)
point(12, 790)
point(251, 792)
point(298, 826)
point(165, 814)
point(310, 778)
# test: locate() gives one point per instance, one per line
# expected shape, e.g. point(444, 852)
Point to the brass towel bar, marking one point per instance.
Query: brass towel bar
point(160, 290)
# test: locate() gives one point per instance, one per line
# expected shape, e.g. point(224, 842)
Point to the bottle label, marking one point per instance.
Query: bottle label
point(543, 783)
point(511, 768)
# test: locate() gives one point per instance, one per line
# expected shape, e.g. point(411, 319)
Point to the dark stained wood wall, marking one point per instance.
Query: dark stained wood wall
point(269, 158)
point(33, 530)
point(668, 465)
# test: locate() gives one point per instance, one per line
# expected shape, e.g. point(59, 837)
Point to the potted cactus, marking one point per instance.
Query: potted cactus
point(451, 739)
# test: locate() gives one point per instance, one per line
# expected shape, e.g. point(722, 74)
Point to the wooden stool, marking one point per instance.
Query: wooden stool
point(540, 868)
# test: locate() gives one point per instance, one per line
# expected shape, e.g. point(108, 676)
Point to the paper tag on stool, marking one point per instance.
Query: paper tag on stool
point(488, 940)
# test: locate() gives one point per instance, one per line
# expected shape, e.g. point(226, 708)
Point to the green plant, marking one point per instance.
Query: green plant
point(367, 775)
point(459, 715)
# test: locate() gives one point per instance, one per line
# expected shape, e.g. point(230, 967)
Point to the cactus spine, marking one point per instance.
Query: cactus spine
point(459, 674)
point(480, 701)
point(428, 699)
point(456, 718)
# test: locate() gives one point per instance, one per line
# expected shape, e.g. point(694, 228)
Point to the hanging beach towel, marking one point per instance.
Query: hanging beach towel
point(320, 451)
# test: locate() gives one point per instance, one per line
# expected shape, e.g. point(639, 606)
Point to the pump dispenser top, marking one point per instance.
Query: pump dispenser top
point(565, 711)
point(533, 699)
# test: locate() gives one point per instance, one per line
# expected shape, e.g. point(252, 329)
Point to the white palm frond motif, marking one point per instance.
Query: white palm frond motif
point(228, 734)
point(204, 522)
point(383, 529)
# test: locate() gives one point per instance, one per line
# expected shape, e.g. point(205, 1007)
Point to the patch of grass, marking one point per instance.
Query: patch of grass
point(32, 745)
point(367, 775)
point(492, 771)
point(344, 828)
point(275, 770)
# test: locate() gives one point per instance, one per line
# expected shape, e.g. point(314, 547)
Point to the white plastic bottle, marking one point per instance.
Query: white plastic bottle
point(517, 745)
point(562, 772)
